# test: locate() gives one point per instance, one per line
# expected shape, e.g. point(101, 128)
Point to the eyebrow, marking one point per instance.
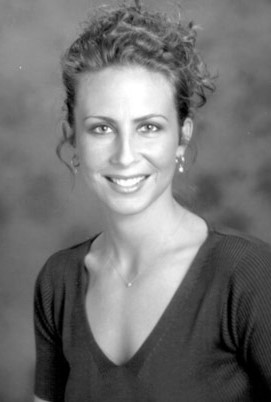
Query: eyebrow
point(137, 120)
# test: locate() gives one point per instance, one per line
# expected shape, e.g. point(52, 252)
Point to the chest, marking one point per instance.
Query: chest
point(123, 319)
point(180, 356)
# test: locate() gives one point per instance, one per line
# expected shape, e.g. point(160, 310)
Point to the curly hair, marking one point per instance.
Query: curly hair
point(131, 35)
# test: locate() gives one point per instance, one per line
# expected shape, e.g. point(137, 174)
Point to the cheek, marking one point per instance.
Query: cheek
point(92, 157)
point(163, 155)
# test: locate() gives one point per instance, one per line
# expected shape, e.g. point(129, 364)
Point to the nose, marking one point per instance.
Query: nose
point(125, 152)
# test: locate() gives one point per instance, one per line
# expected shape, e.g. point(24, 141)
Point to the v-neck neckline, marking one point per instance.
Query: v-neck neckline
point(163, 324)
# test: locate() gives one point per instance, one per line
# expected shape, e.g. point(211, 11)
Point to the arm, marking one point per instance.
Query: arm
point(248, 312)
point(51, 366)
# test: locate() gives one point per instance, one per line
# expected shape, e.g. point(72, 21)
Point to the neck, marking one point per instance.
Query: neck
point(134, 237)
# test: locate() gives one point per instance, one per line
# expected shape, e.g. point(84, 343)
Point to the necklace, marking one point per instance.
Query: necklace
point(129, 283)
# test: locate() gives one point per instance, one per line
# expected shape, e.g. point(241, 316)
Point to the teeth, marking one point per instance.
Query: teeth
point(128, 182)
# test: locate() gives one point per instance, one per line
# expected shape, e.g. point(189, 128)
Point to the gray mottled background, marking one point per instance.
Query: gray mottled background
point(40, 211)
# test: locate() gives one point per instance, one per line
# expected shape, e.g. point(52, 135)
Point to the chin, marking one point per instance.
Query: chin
point(132, 206)
point(133, 201)
point(125, 208)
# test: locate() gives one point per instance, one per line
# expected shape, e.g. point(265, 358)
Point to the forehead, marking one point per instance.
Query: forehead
point(124, 88)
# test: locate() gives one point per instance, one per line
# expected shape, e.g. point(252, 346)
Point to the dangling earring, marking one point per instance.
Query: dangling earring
point(181, 161)
point(75, 163)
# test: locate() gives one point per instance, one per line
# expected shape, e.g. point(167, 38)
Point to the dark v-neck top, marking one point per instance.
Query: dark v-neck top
point(212, 342)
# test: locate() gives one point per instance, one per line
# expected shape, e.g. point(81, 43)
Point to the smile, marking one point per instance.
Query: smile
point(127, 185)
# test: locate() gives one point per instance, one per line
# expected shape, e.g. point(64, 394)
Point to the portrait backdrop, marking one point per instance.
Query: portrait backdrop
point(42, 208)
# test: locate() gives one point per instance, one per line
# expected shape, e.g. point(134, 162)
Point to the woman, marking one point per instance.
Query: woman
point(159, 306)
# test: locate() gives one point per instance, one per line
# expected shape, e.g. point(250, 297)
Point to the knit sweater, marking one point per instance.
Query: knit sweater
point(212, 343)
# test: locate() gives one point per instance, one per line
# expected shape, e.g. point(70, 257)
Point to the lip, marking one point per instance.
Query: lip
point(126, 184)
point(125, 177)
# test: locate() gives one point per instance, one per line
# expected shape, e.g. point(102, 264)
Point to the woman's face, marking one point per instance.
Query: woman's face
point(127, 137)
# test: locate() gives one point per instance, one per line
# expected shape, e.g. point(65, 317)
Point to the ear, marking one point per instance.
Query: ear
point(186, 135)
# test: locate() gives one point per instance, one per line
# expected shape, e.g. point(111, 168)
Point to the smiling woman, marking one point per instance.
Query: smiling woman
point(127, 137)
point(159, 306)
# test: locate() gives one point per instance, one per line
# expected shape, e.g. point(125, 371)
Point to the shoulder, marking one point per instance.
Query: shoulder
point(62, 266)
point(57, 284)
point(246, 264)
point(245, 291)
point(240, 249)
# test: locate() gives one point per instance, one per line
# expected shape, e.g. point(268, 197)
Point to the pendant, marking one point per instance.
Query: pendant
point(129, 284)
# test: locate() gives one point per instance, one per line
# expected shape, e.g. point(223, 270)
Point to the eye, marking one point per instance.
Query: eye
point(149, 128)
point(101, 129)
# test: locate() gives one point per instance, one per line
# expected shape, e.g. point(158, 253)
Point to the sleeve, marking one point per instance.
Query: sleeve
point(248, 316)
point(51, 366)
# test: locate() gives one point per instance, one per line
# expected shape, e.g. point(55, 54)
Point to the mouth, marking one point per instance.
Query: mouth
point(127, 184)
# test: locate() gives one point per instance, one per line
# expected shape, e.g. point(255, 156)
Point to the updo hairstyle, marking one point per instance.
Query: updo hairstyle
point(131, 35)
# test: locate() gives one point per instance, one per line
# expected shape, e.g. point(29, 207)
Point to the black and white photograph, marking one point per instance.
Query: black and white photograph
point(135, 205)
